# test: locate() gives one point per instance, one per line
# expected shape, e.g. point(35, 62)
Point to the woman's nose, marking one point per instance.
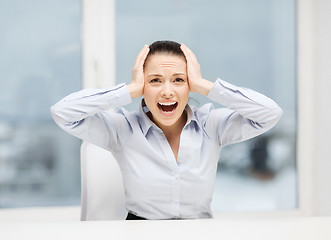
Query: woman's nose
point(167, 91)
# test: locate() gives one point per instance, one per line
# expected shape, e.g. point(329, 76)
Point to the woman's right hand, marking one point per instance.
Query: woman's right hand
point(136, 87)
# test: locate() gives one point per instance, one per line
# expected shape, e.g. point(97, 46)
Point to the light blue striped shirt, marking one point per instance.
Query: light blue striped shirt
point(156, 185)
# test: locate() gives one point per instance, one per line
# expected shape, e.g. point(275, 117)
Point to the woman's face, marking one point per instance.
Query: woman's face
point(166, 89)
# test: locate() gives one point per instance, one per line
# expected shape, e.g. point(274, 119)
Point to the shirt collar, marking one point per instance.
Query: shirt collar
point(146, 123)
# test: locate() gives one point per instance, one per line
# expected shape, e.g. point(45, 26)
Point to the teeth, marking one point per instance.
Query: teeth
point(167, 103)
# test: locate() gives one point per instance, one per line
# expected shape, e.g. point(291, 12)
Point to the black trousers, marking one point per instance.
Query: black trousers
point(134, 217)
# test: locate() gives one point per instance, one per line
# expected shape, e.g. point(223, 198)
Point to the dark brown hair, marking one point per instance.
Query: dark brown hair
point(165, 46)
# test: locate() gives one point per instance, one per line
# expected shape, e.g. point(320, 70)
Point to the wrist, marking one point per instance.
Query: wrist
point(203, 87)
point(135, 90)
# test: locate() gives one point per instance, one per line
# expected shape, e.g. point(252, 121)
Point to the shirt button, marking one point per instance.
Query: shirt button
point(175, 200)
point(222, 92)
point(176, 176)
point(117, 95)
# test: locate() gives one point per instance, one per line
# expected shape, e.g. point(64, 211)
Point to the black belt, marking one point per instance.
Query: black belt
point(134, 217)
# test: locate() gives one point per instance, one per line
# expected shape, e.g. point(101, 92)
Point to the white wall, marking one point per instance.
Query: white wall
point(314, 110)
point(98, 43)
point(322, 104)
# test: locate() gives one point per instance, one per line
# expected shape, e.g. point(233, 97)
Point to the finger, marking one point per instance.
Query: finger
point(139, 56)
point(189, 54)
point(142, 55)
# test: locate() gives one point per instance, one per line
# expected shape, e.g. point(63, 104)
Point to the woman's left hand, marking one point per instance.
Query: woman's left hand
point(196, 82)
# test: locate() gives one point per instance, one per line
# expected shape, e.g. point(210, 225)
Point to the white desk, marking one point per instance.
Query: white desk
point(318, 228)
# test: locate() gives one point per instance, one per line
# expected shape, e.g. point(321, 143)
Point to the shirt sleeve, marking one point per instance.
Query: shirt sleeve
point(84, 114)
point(247, 115)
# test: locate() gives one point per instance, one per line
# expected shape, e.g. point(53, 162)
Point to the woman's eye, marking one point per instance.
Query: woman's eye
point(179, 80)
point(155, 80)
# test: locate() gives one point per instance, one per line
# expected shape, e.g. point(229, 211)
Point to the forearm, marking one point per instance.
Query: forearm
point(248, 103)
point(248, 113)
point(134, 90)
point(202, 87)
point(88, 102)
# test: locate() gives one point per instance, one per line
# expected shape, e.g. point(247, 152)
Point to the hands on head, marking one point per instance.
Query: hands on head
point(136, 88)
point(196, 82)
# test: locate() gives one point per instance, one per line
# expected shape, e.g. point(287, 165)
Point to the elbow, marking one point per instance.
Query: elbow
point(274, 117)
point(278, 112)
point(54, 112)
point(271, 118)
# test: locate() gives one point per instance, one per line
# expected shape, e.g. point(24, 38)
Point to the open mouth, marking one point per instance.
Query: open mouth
point(167, 106)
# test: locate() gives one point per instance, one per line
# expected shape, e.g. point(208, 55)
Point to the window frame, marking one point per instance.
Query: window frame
point(305, 99)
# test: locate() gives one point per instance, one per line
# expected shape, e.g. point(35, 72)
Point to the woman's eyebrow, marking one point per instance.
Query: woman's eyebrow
point(175, 74)
point(155, 75)
point(160, 75)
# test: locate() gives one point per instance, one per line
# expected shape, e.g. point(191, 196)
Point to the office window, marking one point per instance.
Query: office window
point(40, 62)
point(247, 43)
